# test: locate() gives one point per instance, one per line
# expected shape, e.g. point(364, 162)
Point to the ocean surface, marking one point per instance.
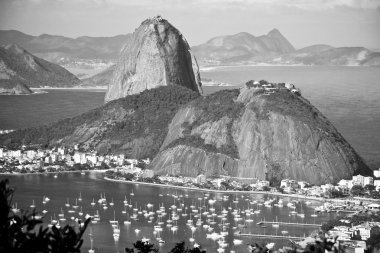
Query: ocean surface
point(348, 96)
point(91, 186)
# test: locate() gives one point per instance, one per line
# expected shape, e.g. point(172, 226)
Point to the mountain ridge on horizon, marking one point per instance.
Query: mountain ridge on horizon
point(61, 49)
point(21, 70)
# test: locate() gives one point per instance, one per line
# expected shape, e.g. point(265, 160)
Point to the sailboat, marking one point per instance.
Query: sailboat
point(76, 204)
point(276, 225)
point(67, 203)
point(15, 209)
point(114, 221)
point(91, 250)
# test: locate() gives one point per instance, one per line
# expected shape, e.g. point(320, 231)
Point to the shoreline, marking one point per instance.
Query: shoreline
point(216, 191)
point(52, 172)
point(207, 68)
point(297, 196)
point(71, 88)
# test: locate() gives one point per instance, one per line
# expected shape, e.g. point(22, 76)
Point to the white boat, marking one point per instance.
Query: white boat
point(33, 205)
point(237, 241)
point(76, 204)
point(276, 225)
point(15, 209)
point(67, 203)
point(114, 221)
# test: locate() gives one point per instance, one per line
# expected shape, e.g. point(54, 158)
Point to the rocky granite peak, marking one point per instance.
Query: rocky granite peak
point(251, 133)
point(156, 55)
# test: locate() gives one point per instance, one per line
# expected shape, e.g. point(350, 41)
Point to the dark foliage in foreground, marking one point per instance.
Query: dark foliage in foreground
point(146, 247)
point(24, 233)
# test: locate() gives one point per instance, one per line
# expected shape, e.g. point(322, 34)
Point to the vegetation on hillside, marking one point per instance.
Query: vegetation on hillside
point(148, 116)
point(211, 109)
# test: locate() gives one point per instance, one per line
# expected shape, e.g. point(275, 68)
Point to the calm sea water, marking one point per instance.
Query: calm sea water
point(348, 96)
point(92, 185)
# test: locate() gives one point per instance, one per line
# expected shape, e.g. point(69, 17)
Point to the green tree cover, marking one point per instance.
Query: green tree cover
point(211, 109)
point(357, 190)
point(149, 117)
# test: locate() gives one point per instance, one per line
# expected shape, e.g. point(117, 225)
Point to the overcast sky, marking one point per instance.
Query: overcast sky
point(302, 22)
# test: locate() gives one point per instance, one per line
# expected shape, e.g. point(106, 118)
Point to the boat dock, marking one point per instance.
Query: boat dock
point(289, 223)
point(273, 236)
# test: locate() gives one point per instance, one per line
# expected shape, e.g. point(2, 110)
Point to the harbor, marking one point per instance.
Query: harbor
point(124, 213)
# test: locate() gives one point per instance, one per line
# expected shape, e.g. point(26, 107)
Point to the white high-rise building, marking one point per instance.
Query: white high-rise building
point(16, 153)
point(61, 150)
point(31, 154)
point(1, 152)
point(376, 173)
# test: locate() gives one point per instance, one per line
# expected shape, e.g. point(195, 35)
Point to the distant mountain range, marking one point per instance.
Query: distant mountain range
point(274, 48)
point(62, 50)
point(96, 53)
point(20, 70)
point(242, 47)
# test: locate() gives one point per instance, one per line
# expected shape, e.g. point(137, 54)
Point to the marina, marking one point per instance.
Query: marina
point(123, 213)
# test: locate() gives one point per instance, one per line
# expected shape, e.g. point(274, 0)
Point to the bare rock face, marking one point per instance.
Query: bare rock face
point(156, 55)
point(256, 135)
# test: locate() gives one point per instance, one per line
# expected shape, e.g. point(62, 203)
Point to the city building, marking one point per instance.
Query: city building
point(201, 179)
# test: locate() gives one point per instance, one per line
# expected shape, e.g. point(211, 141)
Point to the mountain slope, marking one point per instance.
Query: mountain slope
point(157, 55)
point(242, 47)
point(247, 133)
point(241, 133)
point(20, 68)
point(60, 49)
point(101, 79)
point(135, 125)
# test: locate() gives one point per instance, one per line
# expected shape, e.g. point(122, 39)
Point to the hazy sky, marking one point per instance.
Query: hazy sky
point(302, 22)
